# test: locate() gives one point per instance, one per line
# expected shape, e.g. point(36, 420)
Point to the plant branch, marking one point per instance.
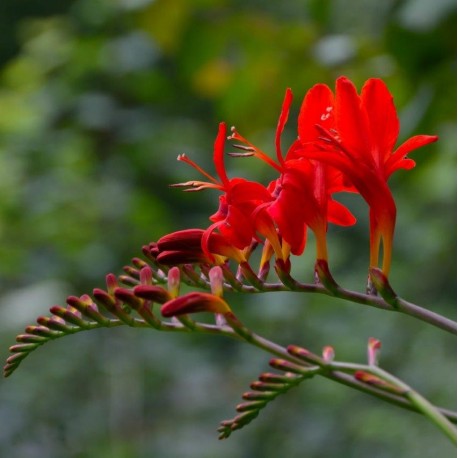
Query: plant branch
point(422, 404)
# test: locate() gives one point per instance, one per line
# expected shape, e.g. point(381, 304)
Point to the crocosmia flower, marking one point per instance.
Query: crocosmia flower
point(359, 140)
point(239, 199)
point(302, 193)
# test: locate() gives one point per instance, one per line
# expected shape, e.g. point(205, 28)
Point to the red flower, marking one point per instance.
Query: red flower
point(241, 197)
point(303, 191)
point(359, 142)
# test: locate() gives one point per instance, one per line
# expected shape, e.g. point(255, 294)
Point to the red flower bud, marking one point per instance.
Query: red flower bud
point(195, 302)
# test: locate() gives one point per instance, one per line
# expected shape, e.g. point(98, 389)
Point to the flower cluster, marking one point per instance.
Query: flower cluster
point(345, 143)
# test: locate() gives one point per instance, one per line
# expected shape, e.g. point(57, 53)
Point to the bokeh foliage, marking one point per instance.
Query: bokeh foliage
point(97, 98)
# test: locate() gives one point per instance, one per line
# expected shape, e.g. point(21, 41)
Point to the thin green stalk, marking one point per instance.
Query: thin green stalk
point(340, 377)
point(421, 403)
point(401, 305)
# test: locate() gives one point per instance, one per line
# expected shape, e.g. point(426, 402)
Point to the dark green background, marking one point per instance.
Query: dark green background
point(97, 98)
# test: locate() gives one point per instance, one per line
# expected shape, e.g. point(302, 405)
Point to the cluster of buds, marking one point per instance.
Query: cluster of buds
point(345, 143)
point(132, 299)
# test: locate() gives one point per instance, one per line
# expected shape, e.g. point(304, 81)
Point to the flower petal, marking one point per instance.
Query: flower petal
point(407, 147)
point(281, 123)
point(377, 101)
point(317, 108)
point(339, 214)
point(218, 154)
point(351, 121)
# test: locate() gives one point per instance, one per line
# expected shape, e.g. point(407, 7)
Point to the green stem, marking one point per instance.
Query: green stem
point(405, 307)
point(433, 414)
point(402, 306)
point(340, 377)
point(421, 403)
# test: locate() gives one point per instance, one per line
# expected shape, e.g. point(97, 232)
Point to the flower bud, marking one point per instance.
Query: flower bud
point(372, 351)
point(250, 406)
point(69, 314)
point(112, 283)
point(104, 298)
point(216, 281)
point(146, 275)
point(173, 281)
point(194, 302)
point(328, 354)
point(128, 297)
point(287, 366)
point(325, 277)
point(30, 338)
point(371, 379)
point(255, 396)
point(304, 354)
point(152, 293)
point(54, 323)
point(263, 386)
point(271, 378)
point(381, 284)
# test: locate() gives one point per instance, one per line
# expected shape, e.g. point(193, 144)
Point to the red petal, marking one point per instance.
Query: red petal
point(289, 221)
point(407, 147)
point(221, 213)
point(351, 122)
point(383, 121)
point(218, 153)
point(244, 190)
point(339, 214)
point(282, 121)
point(317, 108)
point(237, 229)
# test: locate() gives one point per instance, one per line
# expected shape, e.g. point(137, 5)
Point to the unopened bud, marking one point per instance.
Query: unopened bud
point(44, 330)
point(146, 275)
point(106, 299)
point(257, 396)
point(173, 281)
point(153, 293)
point(328, 354)
point(112, 283)
point(57, 323)
point(287, 366)
point(69, 314)
point(325, 277)
point(373, 347)
point(371, 379)
point(262, 386)
point(381, 284)
point(268, 377)
point(128, 297)
point(304, 354)
point(139, 263)
point(132, 271)
point(30, 338)
point(216, 281)
point(19, 348)
point(250, 405)
point(195, 302)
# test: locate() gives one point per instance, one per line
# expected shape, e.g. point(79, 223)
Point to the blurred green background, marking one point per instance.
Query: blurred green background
point(97, 98)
